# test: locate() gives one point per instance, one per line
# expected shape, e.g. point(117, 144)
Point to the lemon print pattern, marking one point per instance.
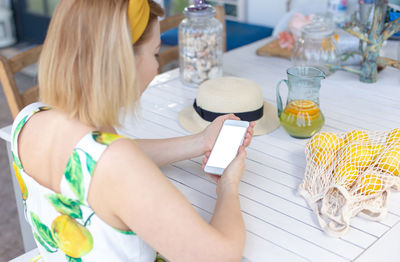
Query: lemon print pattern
point(21, 183)
point(16, 162)
point(71, 237)
point(66, 233)
point(22, 122)
point(63, 224)
point(105, 138)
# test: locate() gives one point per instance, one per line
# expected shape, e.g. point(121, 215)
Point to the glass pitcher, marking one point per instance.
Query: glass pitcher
point(301, 117)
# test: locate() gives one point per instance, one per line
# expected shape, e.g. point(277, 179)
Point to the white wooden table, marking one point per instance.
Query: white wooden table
point(280, 226)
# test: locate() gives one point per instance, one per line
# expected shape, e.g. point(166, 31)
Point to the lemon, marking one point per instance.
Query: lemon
point(356, 135)
point(347, 173)
point(21, 183)
point(376, 149)
point(393, 137)
point(323, 157)
point(389, 162)
point(324, 146)
point(71, 237)
point(325, 140)
point(370, 184)
point(360, 155)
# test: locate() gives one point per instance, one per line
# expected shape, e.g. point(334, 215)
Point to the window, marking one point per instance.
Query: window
point(41, 7)
point(234, 9)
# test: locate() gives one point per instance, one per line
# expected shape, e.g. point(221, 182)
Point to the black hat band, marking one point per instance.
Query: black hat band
point(246, 116)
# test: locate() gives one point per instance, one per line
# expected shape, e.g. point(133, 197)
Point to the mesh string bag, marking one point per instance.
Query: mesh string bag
point(350, 174)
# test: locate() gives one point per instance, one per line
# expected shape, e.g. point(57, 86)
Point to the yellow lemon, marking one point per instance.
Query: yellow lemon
point(376, 149)
point(390, 161)
point(358, 154)
point(71, 237)
point(356, 135)
point(324, 146)
point(325, 140)
point(323, 157)
point(347, 173)
point(393, 137)
point(21, 183)
point(370, 184)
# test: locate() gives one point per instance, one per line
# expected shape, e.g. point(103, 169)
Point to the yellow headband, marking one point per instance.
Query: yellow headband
point(138, 14)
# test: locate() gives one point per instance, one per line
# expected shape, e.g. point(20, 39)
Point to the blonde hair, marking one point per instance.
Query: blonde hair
point(87, 67)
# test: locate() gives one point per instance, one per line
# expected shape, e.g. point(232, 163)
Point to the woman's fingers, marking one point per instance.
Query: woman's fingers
point(205, 159)
point(249, 134)
point(242, 152)
point(233, 117)
point(247, 141)
point(225, 117)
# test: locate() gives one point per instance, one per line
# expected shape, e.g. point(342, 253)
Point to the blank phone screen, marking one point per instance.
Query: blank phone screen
point(226, 146)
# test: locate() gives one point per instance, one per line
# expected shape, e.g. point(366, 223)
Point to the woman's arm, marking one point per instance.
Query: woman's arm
point(131, 187)
point(170, 150)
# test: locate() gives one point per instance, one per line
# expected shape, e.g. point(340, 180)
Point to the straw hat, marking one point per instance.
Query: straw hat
point(226, 95)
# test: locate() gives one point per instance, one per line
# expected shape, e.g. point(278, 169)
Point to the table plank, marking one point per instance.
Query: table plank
point(280, 237)
point(390, 241)
point(277, 203)
point(257, 242)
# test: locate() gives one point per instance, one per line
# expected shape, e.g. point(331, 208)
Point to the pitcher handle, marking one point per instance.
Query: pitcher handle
point(278, 97)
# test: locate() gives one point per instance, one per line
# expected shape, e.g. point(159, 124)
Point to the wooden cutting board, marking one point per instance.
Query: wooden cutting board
point(273, 49)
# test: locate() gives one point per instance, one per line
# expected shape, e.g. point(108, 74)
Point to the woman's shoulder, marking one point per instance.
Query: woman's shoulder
point(121, 150)
point(123, 162)
point(25, 114)
point(120, 174)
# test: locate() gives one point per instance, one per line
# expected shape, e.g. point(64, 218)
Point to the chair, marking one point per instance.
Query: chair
point(172, 53)
point(16, 99)
point(30, 256)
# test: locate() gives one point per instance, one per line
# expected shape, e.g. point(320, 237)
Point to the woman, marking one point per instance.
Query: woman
point(91, 195)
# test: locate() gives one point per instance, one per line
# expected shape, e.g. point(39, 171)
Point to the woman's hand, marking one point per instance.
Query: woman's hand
point(232, 173)
point(211, 132)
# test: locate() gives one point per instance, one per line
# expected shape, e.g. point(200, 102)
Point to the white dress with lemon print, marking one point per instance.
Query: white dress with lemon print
point(64, 226)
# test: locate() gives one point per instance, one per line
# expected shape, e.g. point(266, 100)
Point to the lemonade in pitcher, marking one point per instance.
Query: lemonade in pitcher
point(301, 117)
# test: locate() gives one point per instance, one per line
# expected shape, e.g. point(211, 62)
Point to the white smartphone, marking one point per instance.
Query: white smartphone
point(225, 149)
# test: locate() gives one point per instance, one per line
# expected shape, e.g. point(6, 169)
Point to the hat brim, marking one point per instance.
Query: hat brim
point(192, 122)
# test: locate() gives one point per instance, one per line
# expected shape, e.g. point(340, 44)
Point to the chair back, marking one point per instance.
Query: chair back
point(17, 99)
point(172, 53)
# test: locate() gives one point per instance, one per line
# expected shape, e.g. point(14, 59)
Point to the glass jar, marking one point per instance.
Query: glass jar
point(316, 47)
point(200, 45)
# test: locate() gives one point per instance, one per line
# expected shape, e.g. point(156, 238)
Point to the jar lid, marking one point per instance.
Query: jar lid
point(199, 9)
point(318, 28)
